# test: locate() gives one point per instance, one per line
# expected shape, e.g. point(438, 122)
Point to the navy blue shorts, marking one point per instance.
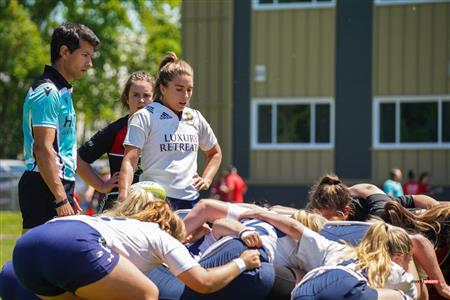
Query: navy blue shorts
point(334, 284)
point(61, 256)
point(177, 204)
point(10, 287)
point(252, 284)
point(37, 201)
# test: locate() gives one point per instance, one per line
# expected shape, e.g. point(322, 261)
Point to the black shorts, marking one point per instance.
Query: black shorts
point(37, 201)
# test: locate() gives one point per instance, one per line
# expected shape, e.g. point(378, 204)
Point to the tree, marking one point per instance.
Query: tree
point(134, 35)
point(23, 55)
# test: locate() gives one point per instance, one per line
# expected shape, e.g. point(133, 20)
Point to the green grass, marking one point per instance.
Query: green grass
point(10, 230)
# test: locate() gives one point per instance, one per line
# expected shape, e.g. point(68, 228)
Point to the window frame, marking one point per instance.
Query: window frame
point(408, 2)
point(291, 146)
point(299, 5)
point(397, 100)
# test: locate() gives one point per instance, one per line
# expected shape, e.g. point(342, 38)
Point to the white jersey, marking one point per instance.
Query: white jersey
point(143, 243)
point(312, 251)
point(169, 146)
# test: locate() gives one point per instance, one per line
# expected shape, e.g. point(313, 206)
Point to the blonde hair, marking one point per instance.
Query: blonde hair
point(170, 67)
point(375, 251)
point(311, 220)
point(142, 206)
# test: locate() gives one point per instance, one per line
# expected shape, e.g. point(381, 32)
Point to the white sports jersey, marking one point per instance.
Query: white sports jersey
point(143, 243)
point(169, 146)
point(313, 250)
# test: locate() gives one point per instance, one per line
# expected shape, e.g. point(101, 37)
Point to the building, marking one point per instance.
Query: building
point(295, 88)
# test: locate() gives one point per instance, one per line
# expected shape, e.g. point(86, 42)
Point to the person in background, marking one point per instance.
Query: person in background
point(392, 186)
point(411, 186)
point(169, 134)
point(49, 128)
point(219, 189)
point(236, 187)
point(137, 93)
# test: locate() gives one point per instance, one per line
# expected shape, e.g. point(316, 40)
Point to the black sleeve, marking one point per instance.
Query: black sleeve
point(98, 145)
point(406, 201)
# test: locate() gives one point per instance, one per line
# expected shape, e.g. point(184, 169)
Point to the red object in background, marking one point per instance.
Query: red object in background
point(90, 211)
point(237, 188)
point(76, 196)
point(411, 187)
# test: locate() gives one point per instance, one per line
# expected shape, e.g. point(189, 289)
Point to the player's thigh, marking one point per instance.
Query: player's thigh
point(125, 281)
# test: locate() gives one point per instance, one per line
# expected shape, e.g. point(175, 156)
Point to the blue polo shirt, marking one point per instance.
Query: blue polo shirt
point(49, 104)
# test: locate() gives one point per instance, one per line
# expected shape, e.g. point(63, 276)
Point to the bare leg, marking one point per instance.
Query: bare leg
point(65, 296)
point(126, 281)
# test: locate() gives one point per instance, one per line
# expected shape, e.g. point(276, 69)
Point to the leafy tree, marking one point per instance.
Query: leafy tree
point(23, 55)
point(134, 35)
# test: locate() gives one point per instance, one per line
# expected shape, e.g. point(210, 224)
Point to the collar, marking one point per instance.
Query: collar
point(56, 77)
point(179, 114)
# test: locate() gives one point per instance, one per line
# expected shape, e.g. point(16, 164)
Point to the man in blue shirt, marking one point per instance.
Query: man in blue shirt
point(49, 128)
point(393, 186)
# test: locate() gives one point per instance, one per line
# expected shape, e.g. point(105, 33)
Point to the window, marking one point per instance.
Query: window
point(289, 4)
point(292, 123)
point(412, 122)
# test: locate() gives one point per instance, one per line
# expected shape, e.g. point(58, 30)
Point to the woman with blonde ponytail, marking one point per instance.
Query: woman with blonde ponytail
point(168, 135)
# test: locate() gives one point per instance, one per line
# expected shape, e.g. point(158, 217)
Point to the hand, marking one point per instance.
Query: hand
point(252, 214)
point(65, 210)
point(77, 208)
point(200, 183)
point(109, 184)
point(251, 259)
point(251, 239)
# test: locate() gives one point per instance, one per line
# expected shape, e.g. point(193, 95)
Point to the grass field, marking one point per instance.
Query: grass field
point(10, 229)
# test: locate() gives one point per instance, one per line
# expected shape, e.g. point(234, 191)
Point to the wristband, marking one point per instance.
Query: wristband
point(244, 232)
point(61, 203)
point(240, 263)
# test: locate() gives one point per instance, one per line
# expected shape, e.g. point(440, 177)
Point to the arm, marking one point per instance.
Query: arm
point(206, 210)
point(129, 164)
point(424, 201)
point(364, 190)
point(210, 280)
point(46, 161)
point(425, 256)
point(213, 160)
point(283, 210)
point(88, 174)
point(223, 227)
point(289, 226)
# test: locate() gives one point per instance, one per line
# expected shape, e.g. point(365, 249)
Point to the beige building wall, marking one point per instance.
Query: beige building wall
point(412, 57)
point(207, 28)
point(298, 49)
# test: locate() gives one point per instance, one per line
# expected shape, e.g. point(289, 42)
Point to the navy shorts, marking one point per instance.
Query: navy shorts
point(61, 256)
point(177, 204)
point(252, 284)
point(10, 287)
point(334, 284)
point(37, 201)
